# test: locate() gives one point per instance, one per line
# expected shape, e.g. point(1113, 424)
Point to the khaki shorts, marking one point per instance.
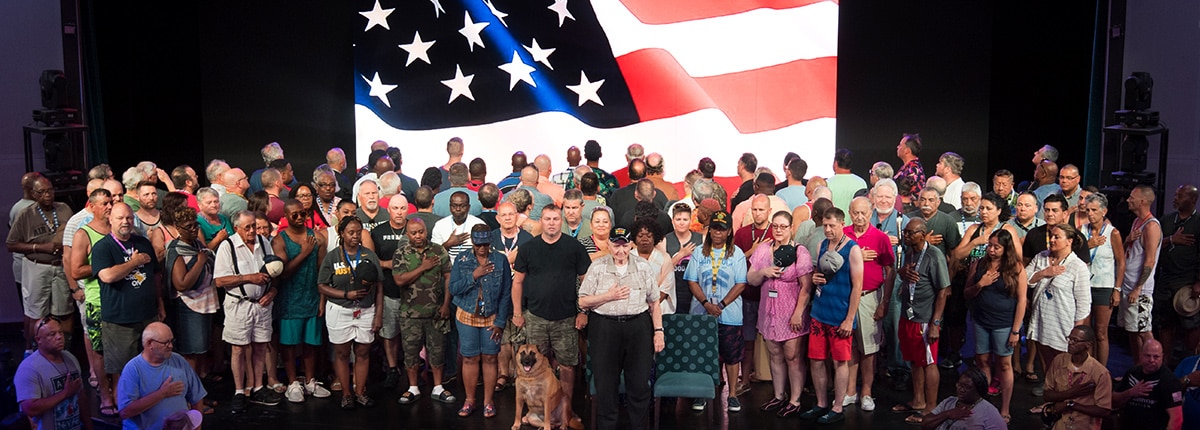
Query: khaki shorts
point(44, 287)
point(246, 322)
point(391, 318)
point(868, 336)
point(559, 338)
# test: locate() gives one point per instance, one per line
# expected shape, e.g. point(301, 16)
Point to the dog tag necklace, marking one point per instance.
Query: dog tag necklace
point(353, 275)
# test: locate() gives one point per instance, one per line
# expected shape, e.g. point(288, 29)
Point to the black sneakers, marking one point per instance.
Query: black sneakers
point(392, 379)
point(238, 404)
point(266, 397)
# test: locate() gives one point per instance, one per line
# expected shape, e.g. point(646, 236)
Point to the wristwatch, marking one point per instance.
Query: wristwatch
point(1071, 404)
point(937, 322)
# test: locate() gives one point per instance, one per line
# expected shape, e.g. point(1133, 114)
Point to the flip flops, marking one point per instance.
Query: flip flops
point(503, 382)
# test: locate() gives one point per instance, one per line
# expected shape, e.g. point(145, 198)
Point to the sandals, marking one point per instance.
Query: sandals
point(408, 398)
point(95, 383)
point(503, 382)
point(916, 419)
point(1032, 377)
point(489, 410)
point(467, 409)
point(905, 408)
point(1037, 410)
point(109, 411)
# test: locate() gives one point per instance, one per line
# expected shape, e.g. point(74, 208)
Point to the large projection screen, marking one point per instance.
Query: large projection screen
point(687, 79)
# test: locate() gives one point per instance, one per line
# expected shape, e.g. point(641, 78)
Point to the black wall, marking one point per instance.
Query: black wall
point(218, 79)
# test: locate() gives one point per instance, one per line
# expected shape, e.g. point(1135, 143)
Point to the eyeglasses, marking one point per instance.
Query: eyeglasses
point(781, 226)
point(168, 342)
point(42, 191)
point(1069, 178)
point(1074, 340)
point(189, 226)
point(303, 196)
point(325, 184)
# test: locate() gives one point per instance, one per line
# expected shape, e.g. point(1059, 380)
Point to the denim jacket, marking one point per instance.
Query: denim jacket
point(497, 286)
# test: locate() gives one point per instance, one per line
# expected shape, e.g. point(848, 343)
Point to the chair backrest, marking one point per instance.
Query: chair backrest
point(691, 345)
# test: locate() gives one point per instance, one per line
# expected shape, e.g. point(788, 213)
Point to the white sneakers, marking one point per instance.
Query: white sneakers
point(868, 403)
point(315, 389)
point(295, 392)
point(849, 400)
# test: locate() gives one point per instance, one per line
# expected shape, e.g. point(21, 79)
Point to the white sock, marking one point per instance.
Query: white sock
point(255, 390)
point(437, 390)
point(413, 389)
point(241, 391)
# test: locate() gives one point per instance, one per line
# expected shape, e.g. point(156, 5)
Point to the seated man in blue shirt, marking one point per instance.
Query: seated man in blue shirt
point(157, 382)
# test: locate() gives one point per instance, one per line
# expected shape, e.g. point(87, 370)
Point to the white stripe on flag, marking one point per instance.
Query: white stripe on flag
point(682, 140)
point(727, 44)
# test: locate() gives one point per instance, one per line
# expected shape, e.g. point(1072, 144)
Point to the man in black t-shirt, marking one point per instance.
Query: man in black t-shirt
point(1150, 396)
point(129, 295)
point(1037, 240)
point(545, 287)
point(386, 238)
point(1177, 264)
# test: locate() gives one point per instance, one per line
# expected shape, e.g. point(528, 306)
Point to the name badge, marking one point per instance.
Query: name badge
point(772, 294)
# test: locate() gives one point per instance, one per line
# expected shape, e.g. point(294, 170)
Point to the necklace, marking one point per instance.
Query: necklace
point(54, 227)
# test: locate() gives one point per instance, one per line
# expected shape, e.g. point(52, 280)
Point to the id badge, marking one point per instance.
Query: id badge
point(772, 294)
point(357, 313)
point(818, 291)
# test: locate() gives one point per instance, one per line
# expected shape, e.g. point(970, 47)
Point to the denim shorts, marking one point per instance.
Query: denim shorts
point(993, 342)
point(473, 341)
point(192, 330)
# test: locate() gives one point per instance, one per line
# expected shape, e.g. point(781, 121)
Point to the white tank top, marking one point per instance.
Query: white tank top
point(1135, 255)
point(1103, 264)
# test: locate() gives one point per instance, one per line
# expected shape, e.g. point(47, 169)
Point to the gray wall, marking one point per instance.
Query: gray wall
point(30, 41)
point(1163, 38)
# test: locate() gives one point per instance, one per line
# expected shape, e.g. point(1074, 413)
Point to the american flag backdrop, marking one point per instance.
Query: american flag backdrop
point(688, 79)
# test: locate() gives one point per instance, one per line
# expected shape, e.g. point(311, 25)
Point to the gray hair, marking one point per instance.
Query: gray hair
point(938, 183)
point(573, 195)
point(389, 184)
point(885, 183)
point(132, 177)
point(882, 170)
point(1050, 153)
point(1097, 198)
point(207, 191)
point(215, 169)
point(322, 170)
point(240, 216)
point(148, 168)
point(952, 161)
point(822, 191)
point(971, 187)
point(271, 152)
point(604, 209)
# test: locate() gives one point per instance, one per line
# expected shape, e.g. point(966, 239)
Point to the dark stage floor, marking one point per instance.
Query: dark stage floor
point(429, 414)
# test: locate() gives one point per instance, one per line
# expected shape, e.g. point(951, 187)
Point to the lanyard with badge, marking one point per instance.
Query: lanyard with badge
point(717, 256)
point(353, 276)
point(912, 286)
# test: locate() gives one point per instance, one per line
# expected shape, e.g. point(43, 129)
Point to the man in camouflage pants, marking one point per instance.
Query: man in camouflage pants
point(422, 271)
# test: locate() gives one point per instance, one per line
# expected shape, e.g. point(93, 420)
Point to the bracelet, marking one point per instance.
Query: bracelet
point(660, 329)
point(704, 302)
point(721, 304)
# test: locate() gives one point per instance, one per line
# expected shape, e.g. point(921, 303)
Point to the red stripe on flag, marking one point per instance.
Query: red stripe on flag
point(666, 12)
point(754, 100)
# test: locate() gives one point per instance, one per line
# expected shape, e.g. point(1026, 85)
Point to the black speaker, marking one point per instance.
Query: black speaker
point(54, 89)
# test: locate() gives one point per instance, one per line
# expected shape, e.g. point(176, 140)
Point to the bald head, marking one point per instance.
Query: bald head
point(155, 331)
point(529, 176)
point(518, 161)
point(542, 163)
point(634, 151)
point(379, 145)
point(1151, 356)
point(654, 164)
point(573, 156)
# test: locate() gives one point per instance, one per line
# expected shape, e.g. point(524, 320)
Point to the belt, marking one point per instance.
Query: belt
point(51, 262)
point(620, 318)
point(864, 293)
point(242, 298)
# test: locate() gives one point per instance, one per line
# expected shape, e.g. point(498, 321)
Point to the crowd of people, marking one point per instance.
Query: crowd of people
point(846, 282)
